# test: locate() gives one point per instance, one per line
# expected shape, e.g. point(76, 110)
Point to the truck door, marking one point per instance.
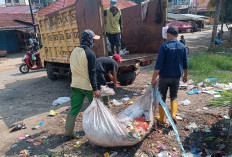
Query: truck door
point(89, 15)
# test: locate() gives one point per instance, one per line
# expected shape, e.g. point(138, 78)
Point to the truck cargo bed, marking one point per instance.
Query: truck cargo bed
point(133, 58)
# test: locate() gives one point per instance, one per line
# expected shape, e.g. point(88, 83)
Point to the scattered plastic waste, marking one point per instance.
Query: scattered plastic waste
point(185, 102)
point(52, 113)
point(21, 137)
point(183, 85)
point(201, 126)
point(217, 96)
point(217, 115)
point(161, 147)
point(207, 131)
point(113, 154)
point(123, 52)
point(116, 102)
point(135, 94)
point(224, 129)
point(36, 143)
point(24, 153)
point(200, 84)
point(210, 92)
point(194, 151)
point(163, 154)
point(77, 144)
point(149, 83)
point(213, 79)
point(193, 92)
point(40, 124)
point(19, 126)
point(190, 87)
point(226, 117)
point(14, 145)
point(137, 128)
point(179, 118)
point(125, 99)
point(210, 79)
point(60, 101)
point(205, 108)
point(106, 91)
point(195, 130)
point(191, 126)
point(27, 135)
point(30, 140)
point(106, 154)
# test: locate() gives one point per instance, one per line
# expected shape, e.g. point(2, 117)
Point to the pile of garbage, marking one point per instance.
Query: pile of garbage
point(138, 127)
point(221, 92)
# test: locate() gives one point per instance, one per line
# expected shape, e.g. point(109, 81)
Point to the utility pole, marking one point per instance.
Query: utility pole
point(32, 16)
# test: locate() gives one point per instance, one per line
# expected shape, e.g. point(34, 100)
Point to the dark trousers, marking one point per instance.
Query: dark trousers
point(101, 81)
point(114, 39)
point(172, 84)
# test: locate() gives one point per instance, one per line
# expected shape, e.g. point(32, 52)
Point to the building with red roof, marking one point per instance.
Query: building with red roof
point(59, 4)
point(13, 35)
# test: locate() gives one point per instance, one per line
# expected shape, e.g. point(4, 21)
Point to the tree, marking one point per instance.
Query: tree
point(215, 25)
point(226, 16)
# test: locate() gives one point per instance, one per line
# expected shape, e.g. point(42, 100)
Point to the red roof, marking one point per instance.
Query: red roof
point(200, 7)
point(59, 4)
point(15, 9)
point(121, 4)
point(7, 19)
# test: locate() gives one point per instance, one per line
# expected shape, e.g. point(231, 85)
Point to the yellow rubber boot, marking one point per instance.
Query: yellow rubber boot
point(174, 106)
point(161, 117)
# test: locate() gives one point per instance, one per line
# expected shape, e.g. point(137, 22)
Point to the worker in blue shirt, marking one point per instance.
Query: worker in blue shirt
point(171, 63)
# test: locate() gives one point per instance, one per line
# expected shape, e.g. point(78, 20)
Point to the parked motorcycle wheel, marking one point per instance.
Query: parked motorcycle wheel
point(24, 68)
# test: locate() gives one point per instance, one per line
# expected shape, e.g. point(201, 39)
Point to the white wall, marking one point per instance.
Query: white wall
point(2, 2)
point(21, 2)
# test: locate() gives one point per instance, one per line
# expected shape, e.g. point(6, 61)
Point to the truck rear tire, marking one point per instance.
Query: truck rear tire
point(50, 72)
point(127, 77)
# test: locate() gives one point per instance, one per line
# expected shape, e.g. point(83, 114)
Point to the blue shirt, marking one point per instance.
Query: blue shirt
point(172, 59)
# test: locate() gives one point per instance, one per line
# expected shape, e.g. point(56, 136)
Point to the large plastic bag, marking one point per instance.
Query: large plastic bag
point(105, 129)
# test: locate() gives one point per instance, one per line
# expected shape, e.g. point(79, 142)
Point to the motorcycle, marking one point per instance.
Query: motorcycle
point(30, 60)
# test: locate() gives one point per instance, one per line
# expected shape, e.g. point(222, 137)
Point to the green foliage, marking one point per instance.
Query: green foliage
point(227, 8)
point(224, 100)
point(45, 3)
point(228, 11)
point(210, 65)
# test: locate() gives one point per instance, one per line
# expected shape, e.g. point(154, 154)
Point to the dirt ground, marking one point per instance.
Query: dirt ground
point(28, 99)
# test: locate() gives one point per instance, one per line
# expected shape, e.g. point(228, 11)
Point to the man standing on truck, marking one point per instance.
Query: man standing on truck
point(84, 78)
point(113, 26)
point(106, 65)
point(171, 62)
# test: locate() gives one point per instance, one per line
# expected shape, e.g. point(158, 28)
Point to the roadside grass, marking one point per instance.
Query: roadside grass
point(210, 65)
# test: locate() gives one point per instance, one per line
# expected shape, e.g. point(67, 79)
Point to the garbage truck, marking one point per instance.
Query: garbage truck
point(60, 33)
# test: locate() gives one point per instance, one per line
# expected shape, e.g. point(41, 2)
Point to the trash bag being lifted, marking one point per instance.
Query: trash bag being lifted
point(105, 129)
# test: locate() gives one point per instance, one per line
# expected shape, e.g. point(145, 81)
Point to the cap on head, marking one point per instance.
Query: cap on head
point(117, 57)
point(87, 38)
point(113, 3)
point(172, 30)
point(91, 34)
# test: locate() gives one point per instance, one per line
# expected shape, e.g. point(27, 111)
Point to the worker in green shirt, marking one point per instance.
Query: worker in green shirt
point(113, 26)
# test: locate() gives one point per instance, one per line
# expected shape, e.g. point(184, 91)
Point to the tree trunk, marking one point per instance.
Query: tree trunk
point(215, 25)
point(222, 17)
